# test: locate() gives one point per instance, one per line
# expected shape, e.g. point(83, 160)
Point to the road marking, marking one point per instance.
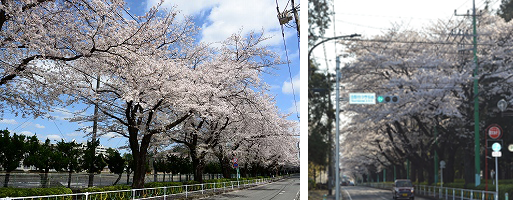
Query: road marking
point(384, 198)
point(348, 195)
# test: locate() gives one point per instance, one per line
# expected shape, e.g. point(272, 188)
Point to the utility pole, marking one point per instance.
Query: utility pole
point(436, 155)
point(296, 16)
point(476, 100)
point(337, 178)
point(94, 134)
point(477, 161)
point(337, 135)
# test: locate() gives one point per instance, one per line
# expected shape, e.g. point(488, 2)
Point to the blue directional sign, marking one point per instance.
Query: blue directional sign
point(362, 98)
point(496, 146)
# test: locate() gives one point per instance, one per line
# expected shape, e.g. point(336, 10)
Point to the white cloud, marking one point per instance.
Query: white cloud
point(8, 121)
point(39, 126)
point(293, 110)
point(26, 133)
point(185, 6)
point(75, 134)
point(227, 17)
point(110, 135)
point(54, 137)
point(62, 114)
point(287, 86)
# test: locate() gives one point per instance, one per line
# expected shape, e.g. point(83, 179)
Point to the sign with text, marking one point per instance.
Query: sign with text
point(494, 131)
point(362, 98)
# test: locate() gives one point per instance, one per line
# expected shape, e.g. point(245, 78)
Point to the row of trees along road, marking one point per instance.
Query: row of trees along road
point(151, 82)
point(63, 157)
point(431, 71)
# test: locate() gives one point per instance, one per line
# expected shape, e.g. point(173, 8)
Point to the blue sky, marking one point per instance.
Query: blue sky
point(218, 19)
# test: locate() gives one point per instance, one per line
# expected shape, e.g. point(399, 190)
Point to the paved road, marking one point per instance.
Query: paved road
point(367, 193)
point(285, 189)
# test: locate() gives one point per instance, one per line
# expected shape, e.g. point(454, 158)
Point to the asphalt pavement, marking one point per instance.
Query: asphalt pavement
point(368, 193)
point(285, 189)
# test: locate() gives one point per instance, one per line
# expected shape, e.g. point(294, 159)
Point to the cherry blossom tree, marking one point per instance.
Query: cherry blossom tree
point(431, 71)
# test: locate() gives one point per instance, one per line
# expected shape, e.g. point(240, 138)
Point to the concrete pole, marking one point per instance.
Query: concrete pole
point(337, 145)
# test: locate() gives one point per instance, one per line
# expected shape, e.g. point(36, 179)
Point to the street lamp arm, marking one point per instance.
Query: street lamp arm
point(331, 38)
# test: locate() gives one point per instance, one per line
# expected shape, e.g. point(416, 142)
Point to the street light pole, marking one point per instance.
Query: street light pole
point(328, 39)
point(337, 145)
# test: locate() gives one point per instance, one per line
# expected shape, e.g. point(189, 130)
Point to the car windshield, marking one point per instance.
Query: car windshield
point(403, 184)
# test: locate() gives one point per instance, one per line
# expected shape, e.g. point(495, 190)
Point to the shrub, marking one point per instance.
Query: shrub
point(107, 188)
point(25, 192)
point(162, 184)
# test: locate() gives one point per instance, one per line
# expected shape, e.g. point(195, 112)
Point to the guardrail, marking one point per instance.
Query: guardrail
point(455, 193)
point(152, 193)
point(444, 192)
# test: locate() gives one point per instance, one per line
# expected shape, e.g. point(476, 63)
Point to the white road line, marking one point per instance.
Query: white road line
point(348, 195)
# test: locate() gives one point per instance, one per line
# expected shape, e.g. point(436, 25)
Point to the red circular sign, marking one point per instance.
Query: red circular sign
point(494, 131)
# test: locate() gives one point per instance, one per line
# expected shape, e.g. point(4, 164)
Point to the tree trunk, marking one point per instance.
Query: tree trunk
point(69, 178)
point(449, 168)
point(44, 179)
point(117, 180)
point(6, 180)
point(154, 170)
point(314, 176)
point(128, 178)
point(139, 171)
point(91, 180)
point(164, 178)
point(140, 153)
point(469, 167)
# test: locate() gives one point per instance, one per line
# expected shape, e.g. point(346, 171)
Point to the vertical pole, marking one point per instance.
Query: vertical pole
point(384, 175)
point(496, 178)
point(436, 155)
point(337, 145)
point(395, 175)
point(442, 177)
point(408, 169)
point(477, 164)
point(486, 165)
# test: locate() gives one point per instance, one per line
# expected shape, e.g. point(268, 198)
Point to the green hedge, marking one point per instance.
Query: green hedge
point(24, 192)
point(162, 184)
point(106, 188)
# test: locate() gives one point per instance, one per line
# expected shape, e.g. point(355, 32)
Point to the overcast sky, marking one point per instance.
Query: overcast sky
point(373, 17)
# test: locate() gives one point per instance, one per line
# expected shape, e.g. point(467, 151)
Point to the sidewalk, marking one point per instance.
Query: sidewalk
point(319, 195)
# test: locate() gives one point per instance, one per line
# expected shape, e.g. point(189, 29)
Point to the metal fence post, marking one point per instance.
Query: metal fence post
point(224, 186)
point(165, 193)
point(471, 194)
point(453, 194)
point(133, 194)
point(506, 196)
point(185, 191)
point(214, 187)
point(202, 188)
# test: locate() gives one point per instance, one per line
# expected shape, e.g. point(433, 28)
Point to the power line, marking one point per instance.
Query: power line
point(288, 64)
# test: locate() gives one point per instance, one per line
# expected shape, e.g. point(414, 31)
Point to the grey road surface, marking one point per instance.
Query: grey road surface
point(285, 189)
point(368, 193)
